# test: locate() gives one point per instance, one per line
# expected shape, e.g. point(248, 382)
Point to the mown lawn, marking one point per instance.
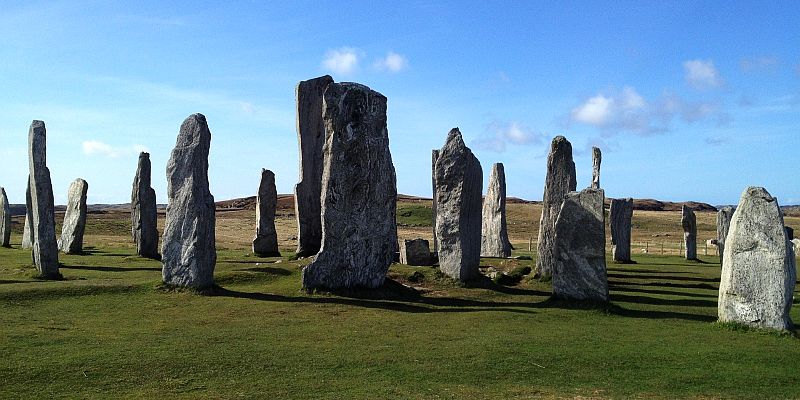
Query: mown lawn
point(109, 331)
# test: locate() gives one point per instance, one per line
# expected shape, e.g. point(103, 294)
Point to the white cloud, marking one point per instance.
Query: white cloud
point(758, 63)
point(595, 111)
point(701, 74)
point(95, 147)
point(343, 60)
point(393, 62)
point(498, 135)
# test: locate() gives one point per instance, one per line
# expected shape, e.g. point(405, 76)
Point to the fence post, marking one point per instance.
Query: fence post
point(705, 252)
point(662, 248)
point(530, 243)
point(647, 247)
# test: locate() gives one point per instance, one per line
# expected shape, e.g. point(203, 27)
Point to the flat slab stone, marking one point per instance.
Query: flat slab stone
point(559, 181)
point(74, 225)
point(494, 232)
point(265, 243)
point(359, 192)
point(42, 210)
point(621, 214)
point(415, 252)
point(724, 216)
point(5, 219)
point(144, 214)
point(758, 269)
point(689, 224)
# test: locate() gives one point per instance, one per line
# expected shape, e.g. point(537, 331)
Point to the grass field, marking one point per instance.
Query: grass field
point(109, 331)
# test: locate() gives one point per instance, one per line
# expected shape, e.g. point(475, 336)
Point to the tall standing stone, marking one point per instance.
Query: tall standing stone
point(689, 224)
point(5, 220)
point(494, 233)
point(621, 214)
point(559, 181)
point(459, 183)
point(579, 271)
point(40, 197)
point(597, 158)
point(724, 216)
point(758, 270)
point(359, 192)
point(265, 243)
point(74, 225)
point(311, 139)
point(144, 215)
point(27, 233)
point(188, 250)
point(434, 157)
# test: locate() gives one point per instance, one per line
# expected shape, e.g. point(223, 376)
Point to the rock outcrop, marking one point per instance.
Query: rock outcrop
point(621, 214)
point(74, 225)
point(724, 216)
point(265, 243)
point(144, 216)
point(494, 233)
point(42, 209)
point(689, 224)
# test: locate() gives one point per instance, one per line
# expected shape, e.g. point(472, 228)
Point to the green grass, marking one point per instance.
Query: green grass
point(110, 331)
point(412, 214)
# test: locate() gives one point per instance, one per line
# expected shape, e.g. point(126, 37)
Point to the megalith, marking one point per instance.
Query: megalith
point(42, 209)
point(265, 243)
point(144, 215)
point(689, 224)
point(415, 252)
point(597, 158)
point(74, 225)
point(559, 181)
point(579, 271)
point(5, 220)
point(758, 269)
point(494, 233)
point(434, 156)
point(359, 192)
point(724, 216)
point(27, 233)
point(621, 214)
point(311, 139)
point(188, 248)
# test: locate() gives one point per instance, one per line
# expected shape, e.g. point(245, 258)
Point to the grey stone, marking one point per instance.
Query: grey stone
point(359, 192)
point(27, 233)
point(459, 183)
point(758, 270)
point(597, 158)
point(724, 216)
point(494, 233)
point(415, 252)
point(689, 224)
point(188, 249)
point(621, 214)
point(434, 157)
point(789, 232)
point(580, 265)
point(796, 243)
point(5, 220)
point(265, 243)
point(74, 225)
point(311, 139)
point(43, 220)
point(559, 181)
point(144, 216)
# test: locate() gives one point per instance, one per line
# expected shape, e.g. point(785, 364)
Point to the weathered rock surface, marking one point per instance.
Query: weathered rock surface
point(789, 232)
point(144, 217)
point(265, 243)
point(188, 252)
point(5, 220)
point(724, 216)
point(74, 225)
point(434, 157)
point(689, 224)
point(580, 264)
point(621, 214)
point(459, 183)
point(43, 221)
point(415, 252)
point(494, 234)
point(359, 192)
point(758, 270)
point(27, 233)
point(311, 139)
point(559, 181)
point(796, 243)
point(597, 158)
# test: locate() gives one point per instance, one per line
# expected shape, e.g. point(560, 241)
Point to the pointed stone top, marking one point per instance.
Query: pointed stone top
point(455, 135)
point(758, 191)
point(144, 154)
point(194, 130)
point(560, 143)
point(37, 143)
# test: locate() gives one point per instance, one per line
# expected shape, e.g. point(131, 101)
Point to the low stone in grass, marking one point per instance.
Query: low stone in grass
point(415, 252)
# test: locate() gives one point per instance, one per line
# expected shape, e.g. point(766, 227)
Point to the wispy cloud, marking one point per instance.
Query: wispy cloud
point(717, 140)
point(498, 135)
point(393, 62)
point(702, 74)
point(343, 61)
point(96, 147)
point(758, 63)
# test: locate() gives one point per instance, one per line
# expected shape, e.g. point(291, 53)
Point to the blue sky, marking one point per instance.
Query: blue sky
point(687, 100)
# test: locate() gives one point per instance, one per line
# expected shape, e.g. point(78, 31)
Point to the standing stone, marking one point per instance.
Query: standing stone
point(40, 197)
point(265, 243)
point(27, 233)
point(789, 232)
point(359, 192)
point(415, 252)
point(494, 235)
point(621, 214)
point(188, 250)
point(758, 270)
point(597, 158)
point(311, 139)
point(689, 224)
point(459, 183)
point(5, 220)
point(724, 216)
point(144, 217)
point(559, 181)
point(434, 157)
point(580, 263)
point(74, 225)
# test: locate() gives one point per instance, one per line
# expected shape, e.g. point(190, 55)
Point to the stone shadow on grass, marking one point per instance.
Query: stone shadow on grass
point(623, 288)
point(110, 269)
point(662, 277)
